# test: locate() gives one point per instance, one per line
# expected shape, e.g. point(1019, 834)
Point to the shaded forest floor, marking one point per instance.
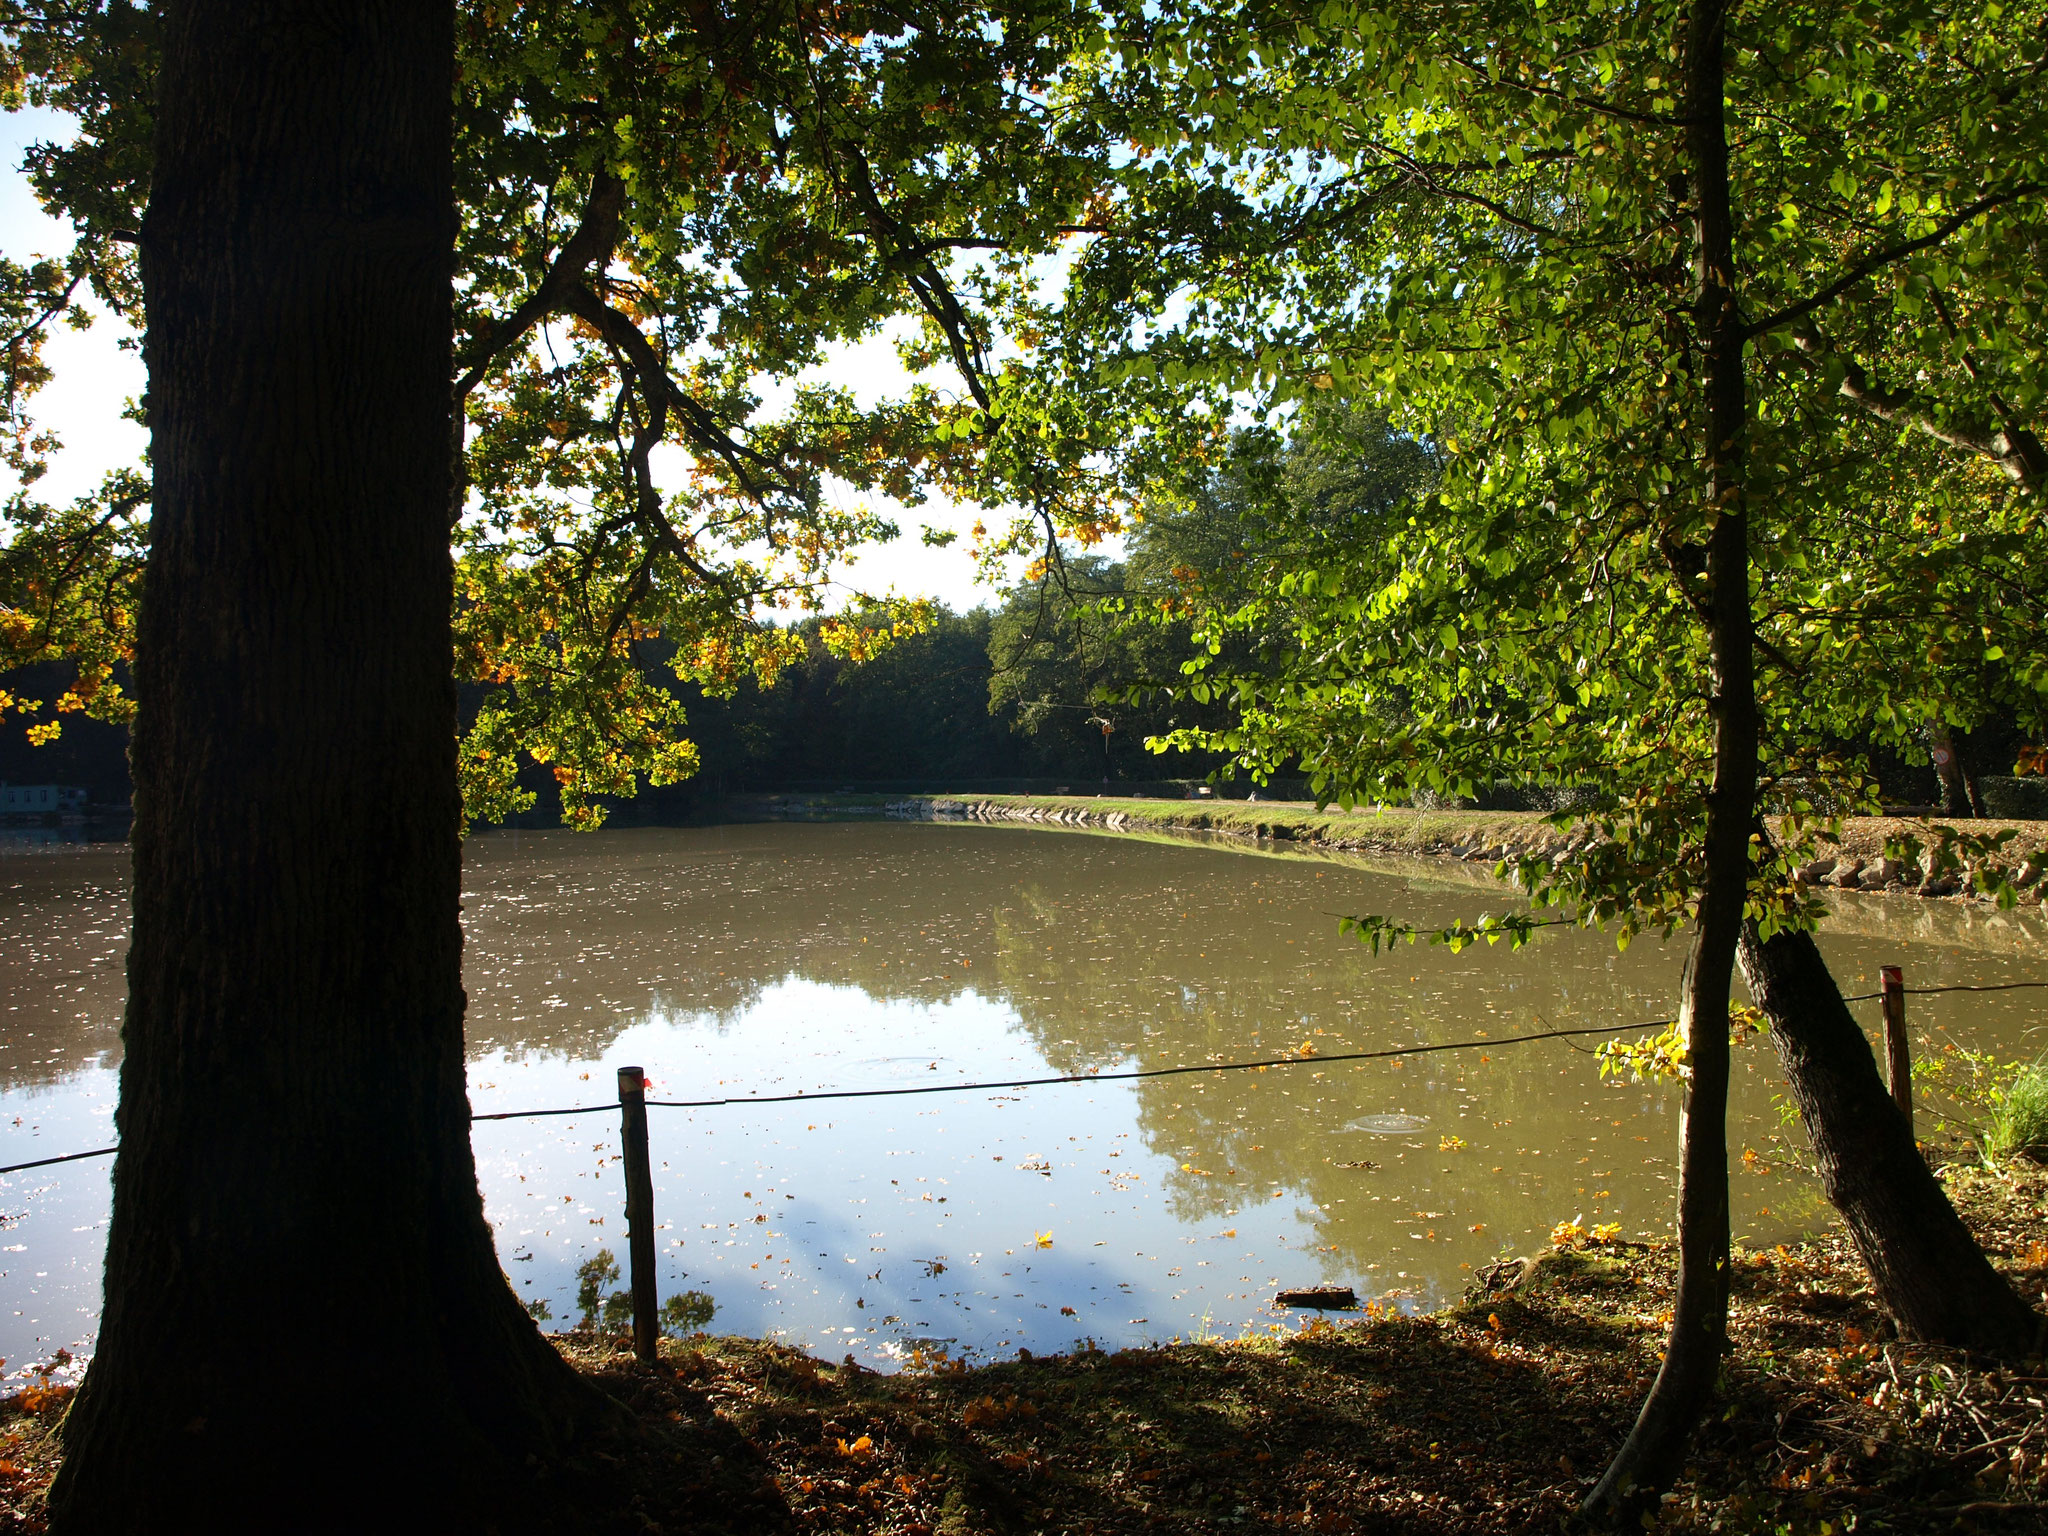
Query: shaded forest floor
point(1494, 1415)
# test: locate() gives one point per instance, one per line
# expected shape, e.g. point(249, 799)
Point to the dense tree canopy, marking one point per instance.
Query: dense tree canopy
point(1469, 215)
point(1630, 393)
point(1726, 323)
point(669, 215)
point(1478, 219)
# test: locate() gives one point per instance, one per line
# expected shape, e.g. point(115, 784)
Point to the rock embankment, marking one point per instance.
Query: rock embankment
point(1859, 863)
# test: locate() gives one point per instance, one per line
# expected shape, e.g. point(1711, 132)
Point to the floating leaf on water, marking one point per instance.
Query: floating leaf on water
point(1386, 1125)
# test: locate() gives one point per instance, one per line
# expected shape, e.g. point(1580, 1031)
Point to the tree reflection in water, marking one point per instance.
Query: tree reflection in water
point(803, 956)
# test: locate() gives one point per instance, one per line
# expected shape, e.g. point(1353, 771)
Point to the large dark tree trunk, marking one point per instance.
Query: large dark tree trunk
point(1929, 1272)
point(1655, 1449)
point(305, 1325)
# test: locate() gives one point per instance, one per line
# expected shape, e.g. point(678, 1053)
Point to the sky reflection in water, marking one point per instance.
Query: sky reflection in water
point(780, 958)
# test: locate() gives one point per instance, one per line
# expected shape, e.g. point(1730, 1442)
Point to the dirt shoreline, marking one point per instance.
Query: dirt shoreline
point(1474, 837)
point(1492, 1415)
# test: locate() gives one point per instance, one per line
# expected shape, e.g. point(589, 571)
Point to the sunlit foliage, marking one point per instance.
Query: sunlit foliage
point(1477, 220)
point(670, 215)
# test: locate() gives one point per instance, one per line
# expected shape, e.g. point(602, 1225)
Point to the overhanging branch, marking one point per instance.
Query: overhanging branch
point(753, 470)
point(589, 247)
point(1880, 259)
point(2016, 451)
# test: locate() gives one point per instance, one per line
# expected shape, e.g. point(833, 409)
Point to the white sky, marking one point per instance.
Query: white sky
point(95, 378)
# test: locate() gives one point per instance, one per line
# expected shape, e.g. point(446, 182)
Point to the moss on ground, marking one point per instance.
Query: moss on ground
point(1493, 1415)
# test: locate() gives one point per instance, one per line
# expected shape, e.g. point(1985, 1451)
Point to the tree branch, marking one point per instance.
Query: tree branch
point(662, 391)
point(934, 294)
point(591, 245)
point(51, 311)
point(2016, 451)
point(1878, 259)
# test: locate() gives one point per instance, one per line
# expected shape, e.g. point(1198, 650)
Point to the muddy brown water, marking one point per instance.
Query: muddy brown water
point(781, 958)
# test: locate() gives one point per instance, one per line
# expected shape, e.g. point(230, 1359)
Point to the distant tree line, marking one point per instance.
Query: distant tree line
point(941, 705)
point(1023, 689)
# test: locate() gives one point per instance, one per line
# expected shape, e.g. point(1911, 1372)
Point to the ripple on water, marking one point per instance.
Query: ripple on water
point(1385, 1125)
point(737, 962)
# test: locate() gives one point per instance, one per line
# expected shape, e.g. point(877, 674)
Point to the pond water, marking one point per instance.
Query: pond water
point(779, 958)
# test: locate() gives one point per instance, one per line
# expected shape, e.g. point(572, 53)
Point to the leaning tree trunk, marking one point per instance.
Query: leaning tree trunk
point(1929, 1272)
point(1655, 1449)
point(305, 1325)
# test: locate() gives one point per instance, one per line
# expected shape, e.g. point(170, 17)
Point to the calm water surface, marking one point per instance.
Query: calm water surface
point(784, 958)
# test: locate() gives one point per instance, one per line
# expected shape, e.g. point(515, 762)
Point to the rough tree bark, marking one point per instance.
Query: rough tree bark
point(1655, 1448)
point(1927, 1269)
point(305, 1325)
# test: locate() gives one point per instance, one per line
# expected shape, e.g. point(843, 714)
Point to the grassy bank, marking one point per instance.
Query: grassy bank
point(1478, 836)
point(1492, 1416)
point(1366, 830)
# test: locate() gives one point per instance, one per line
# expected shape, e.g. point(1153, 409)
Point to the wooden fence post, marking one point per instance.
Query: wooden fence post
point(1898, 1049)
point(639, 1209)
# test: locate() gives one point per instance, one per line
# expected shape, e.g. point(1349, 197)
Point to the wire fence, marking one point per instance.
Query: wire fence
point(1259, 1065)
point(1296, 1060)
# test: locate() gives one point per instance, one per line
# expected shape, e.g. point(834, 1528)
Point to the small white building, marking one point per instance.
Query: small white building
point(40, 802)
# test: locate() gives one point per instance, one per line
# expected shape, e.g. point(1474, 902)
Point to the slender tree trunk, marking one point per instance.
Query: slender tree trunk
point(1970, 786)
point(1929, 1272)
point(1655, 1449)
point(305, 1326)
point(1956, 798)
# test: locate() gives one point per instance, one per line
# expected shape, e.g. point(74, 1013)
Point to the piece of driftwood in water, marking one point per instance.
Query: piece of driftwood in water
point(1329, 1298)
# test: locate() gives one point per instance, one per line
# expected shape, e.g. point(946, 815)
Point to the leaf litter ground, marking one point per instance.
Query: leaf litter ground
point(1493, 1415)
